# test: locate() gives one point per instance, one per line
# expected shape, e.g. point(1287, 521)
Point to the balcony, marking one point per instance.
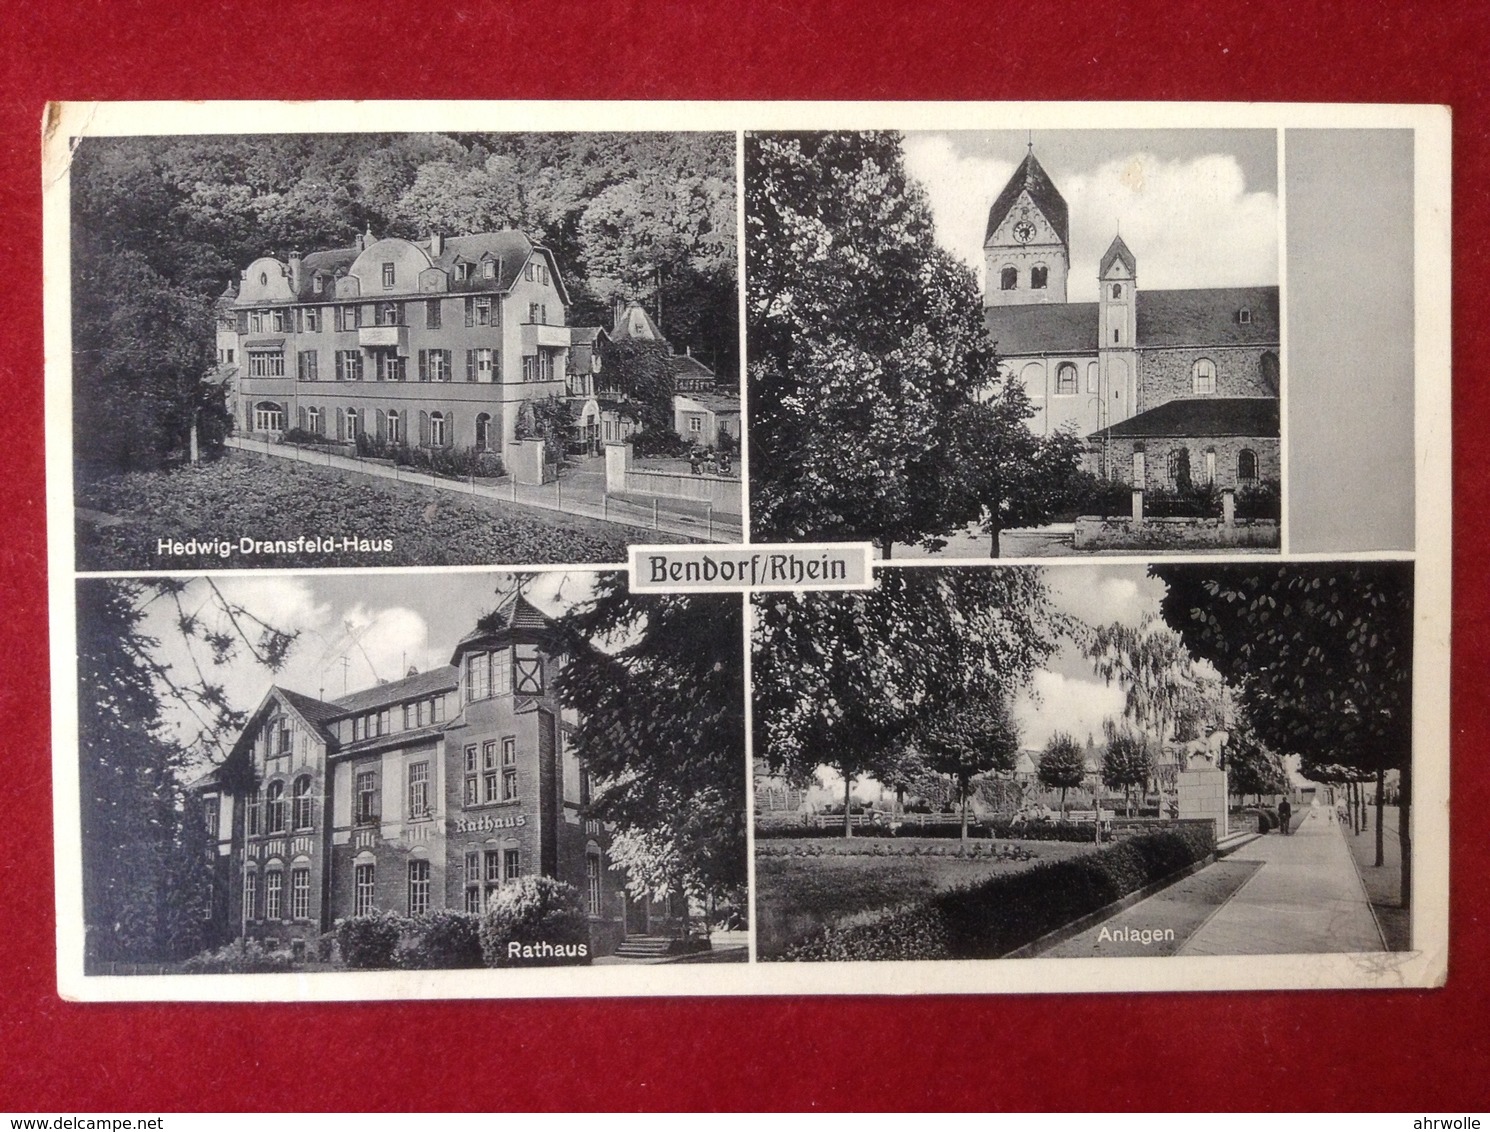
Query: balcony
point(384, 337)
point(536, 334)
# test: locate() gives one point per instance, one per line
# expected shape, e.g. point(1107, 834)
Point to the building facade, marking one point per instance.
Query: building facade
point(1103, 369)
point(429, 792)
point(436, 343)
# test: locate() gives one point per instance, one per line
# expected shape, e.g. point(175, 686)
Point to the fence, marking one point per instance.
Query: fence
point(700, 522)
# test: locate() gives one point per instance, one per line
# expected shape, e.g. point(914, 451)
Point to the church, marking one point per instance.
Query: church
point(1163, 384)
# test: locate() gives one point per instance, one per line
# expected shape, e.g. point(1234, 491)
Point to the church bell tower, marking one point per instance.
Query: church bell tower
point(1027, 249)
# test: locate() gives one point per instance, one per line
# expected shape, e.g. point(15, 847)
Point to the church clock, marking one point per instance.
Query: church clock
point(1024, 231)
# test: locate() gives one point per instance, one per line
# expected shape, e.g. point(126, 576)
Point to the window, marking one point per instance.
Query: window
point(586, 786)
point(509, 769)
point(386, 314)
point(1039, 275)
point(1203, 376)
point(299, 894)
point(1117, 290)
point(592, 883)
point(281, 320)
point(275, 803)
point(529, 673)
point(349, 365)
point(1179, 466)
point(1093, 377)
point(354, 423)
point(489, 269)
point(501, 672)
point(1244, 316)
point(437, 709)
point(303, 800)
point(530, 368)
point(274, 885)
point(266, 363)
point(490, 771)
point(483, 432)
point(315, 421)
point(434, 365)
point(308, 368)
point(1117, 335)
point(1210, 465)
point(1246, 466)
point(432, 314)
point(318, 283)
point(1008, 279)
point(545, 365)
point(284, 741)
point(463, 272)
point(528, 271)
point(390, 366)
point(485, 365)
point(367, 797)
point(483, 312)
point(211, 816)
point(533, 312)
point(388, 276)
point(473, 782)
point(364, 899)
point(313, 318)
point(251, 896)
point(419, 790)
point(349, 318)
point(478, 676)
point(437, 437)
point(493, 862)
point(418, 888)
point(473, 882)
point(1065, 378)
point(511, 864)
point(255, 811)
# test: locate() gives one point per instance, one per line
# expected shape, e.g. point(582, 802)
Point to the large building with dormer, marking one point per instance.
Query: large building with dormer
point(429, 792)
point(1155, 380)
point(437, 342)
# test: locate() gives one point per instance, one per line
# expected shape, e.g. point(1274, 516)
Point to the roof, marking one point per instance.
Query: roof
point(442, 679)
point(515, 614)
point(1202, 316)
point(1201, 416)
point(1117, 251)
point(315, 711)
point(686, 365)
point(714, 402)
point(392, 739)
point(1031, 177)
point(633, 322)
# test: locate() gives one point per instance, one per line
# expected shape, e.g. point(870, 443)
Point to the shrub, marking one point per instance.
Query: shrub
point(298, 435)
point(659, 442)
point(239, 958)
point(1199, 501)
point(1262, 500)
point(326, 946)
point(1005, 912)
point(536, 922)
point(369, 942)
point(440, 940)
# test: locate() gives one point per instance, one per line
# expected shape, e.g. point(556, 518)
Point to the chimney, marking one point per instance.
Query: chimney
point(413, 671)
point(295, 271)
point(436, 245)
point(357, 242)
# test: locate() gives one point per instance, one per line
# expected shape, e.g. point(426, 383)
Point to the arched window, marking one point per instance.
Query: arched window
point(315, 421)
point(1093, 377)
point(395, 427)
point(437, 430)
point(354, 423)
point(483, 432)
point(1117, 290)
point(1138, 465)
point(302, 814)
point(1210, 465)
point(1065, 378)
point(1203, 376)
point(1039, 276)
point(1033, 376)
point(1008, 279)
point(268, 417)
point(275, 809)
point(1246, 466)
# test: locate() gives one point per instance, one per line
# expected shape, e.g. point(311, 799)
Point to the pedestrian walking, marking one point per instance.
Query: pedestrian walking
point(1285, 814)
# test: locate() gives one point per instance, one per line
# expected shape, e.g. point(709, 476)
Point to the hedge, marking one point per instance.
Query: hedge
point(998, 915)
point(369, 942)
point(440, 940)
point(536, 922)
point(999, 827)
point(239, 958)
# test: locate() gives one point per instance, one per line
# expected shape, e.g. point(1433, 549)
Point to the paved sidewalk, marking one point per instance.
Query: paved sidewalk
point(1305, 899)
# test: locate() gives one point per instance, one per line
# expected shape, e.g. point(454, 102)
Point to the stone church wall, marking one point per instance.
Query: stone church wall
point(1167, 375)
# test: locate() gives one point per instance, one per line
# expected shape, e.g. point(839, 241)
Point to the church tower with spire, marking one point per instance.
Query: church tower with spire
point(1027, 248)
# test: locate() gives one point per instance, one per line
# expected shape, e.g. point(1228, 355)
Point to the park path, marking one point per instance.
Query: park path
point(1305, 899)
point(579, 493)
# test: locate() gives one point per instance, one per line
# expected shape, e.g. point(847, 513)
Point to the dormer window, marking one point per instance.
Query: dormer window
point(489, 269)
point(318, 283)
point(1244, 316)
point(463, 272)
point(388, 276)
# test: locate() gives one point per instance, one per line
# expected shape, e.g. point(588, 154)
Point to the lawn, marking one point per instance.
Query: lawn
point(796, 895)
point(245, 496)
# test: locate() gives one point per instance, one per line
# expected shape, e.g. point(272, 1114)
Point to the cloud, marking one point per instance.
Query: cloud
point(1190, 222)
point(1055, 702)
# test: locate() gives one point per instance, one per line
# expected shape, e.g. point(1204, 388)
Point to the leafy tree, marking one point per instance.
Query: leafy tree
point(846, 680)
point(1321, 655)
point(1062, 764)
point(1127, 762)
point(1009, 477)
point(970, 738)
point(658, 682)
point(640, 370)
point(1250, 767)
point(867, 342)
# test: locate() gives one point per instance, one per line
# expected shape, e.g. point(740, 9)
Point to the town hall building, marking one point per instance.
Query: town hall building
point(429, 792)
point(1155, 380)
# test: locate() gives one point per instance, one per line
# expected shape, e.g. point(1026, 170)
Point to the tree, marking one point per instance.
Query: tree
point(1321, 655)
point(970, 738)
point(867, 342)
point(1062, 765)
point(1009, 476)
point(144, 855)
point(657, 681)
point(846, 679)
point(639, 369)
point(1127, 762)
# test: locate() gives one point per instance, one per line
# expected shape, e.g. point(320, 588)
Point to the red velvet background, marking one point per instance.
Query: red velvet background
point(1419, 1050)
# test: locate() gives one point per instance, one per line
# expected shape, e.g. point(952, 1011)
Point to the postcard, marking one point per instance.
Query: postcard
point(527, 549)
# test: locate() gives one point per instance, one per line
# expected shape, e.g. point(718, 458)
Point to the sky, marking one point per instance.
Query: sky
point(382, 624)
point(1198, 208)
